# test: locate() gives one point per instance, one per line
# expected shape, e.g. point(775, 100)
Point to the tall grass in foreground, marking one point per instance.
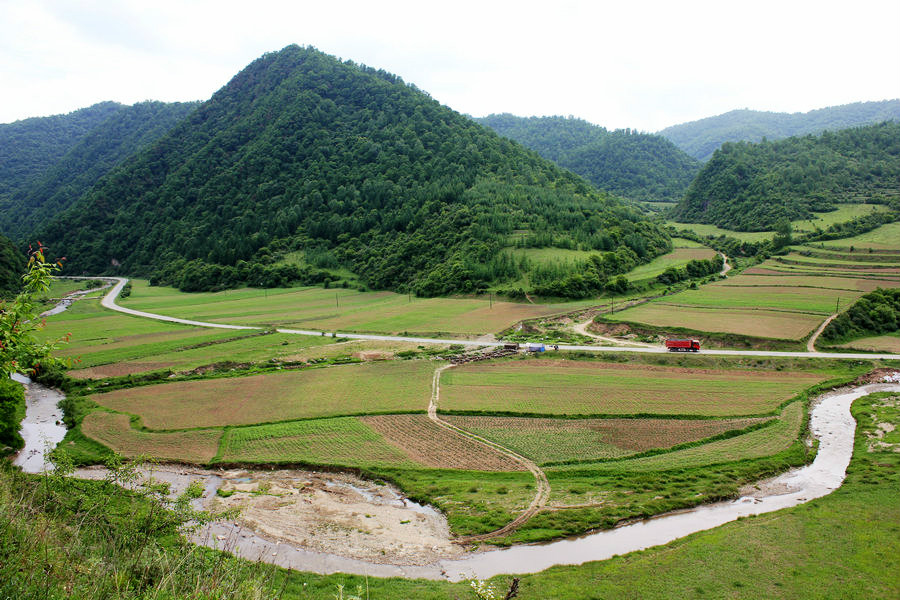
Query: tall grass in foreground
point(62, 537)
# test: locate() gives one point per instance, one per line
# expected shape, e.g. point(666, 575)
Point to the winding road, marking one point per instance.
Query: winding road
point(109, 301)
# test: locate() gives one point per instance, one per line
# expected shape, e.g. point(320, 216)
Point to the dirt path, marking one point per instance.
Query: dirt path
point(582, 328)
point(811, 344)
point(725, 266)
point(542, 494)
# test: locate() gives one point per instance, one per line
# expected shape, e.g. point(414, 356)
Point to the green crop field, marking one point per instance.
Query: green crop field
point(340, 309)
point(342, 441)
point(558, 440)
point(559, 387)
point(380, 387)
point(712, 230)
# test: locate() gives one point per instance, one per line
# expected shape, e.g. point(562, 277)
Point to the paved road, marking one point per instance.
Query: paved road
point(109, 301)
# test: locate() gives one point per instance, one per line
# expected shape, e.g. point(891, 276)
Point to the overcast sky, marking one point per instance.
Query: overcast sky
point(628, 63)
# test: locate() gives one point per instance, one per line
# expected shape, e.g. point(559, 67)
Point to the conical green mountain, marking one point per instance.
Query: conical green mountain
point(750, 187)
point(98, 147)
point(303, 152)
point(639, 166)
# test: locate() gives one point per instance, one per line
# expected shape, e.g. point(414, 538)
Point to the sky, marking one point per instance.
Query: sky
point(630, 63)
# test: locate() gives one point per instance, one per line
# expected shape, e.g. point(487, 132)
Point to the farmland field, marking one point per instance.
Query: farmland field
point(395, 386)
point(677, 258)
point(552, 387)
point(340, 309)
point(549, 440)
point(879, 343)
point(114, 430)
point(886, 237)
point(342, 441)
point(754, 444)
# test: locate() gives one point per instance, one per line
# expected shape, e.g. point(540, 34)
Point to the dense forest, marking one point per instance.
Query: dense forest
point(876, 313)
point(29, 147)
point(300, 151)
point(12, 265)
point(105, 144)
point(752, 187)
point(701, 138)
point(639, 166)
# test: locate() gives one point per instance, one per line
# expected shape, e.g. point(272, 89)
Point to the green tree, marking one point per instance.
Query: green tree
point(20, 350)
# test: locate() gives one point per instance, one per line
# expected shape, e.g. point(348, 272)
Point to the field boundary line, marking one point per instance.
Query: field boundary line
point(542, 494)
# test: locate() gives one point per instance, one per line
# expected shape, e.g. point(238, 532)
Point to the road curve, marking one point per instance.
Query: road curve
point(811, 344)
point(109, 301)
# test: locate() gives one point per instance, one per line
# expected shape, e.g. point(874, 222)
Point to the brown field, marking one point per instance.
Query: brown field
point(114, 430)
point(592, 388)
point(428, 444)
point(547, 440)
point(348, 389)
point(755, 322)
point(766, 277)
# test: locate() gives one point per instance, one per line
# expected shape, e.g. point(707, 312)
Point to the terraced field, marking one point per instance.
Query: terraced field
point(783, 298)
point(115, 431)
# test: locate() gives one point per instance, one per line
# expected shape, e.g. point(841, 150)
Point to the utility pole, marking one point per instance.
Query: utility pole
point(491, 300)
point(336, 304)
point(837, 307)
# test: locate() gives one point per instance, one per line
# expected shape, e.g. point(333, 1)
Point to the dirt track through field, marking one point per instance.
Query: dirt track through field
point(541, 495)
point(811, 344)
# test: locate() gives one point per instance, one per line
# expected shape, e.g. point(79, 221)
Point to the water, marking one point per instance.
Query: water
point(42, 428)
point(830, 423)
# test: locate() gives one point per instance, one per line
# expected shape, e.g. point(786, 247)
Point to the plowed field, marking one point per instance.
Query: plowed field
point(115, 431)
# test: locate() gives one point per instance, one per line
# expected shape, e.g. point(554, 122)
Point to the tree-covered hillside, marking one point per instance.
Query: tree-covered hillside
point(300, 151)
point(125, 131)
point(751, 187)
point(12, 265)
point(30, 146)
point(635, 165)
point(701, 138)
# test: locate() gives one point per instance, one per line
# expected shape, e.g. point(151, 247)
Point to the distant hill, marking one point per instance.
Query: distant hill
point(30, 146)
point(750, 187)
point(701, 138)
point(99, 146)
point(303, 152)
point(639, 166)
point(12, 267)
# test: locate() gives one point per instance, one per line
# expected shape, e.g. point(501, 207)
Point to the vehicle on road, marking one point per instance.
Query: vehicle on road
point(683, 345)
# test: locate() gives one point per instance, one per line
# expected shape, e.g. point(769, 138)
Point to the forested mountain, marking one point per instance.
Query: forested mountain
point(750, 187)
point(701, 138)
point(635, 165)
point(30, 146)
point(300, 151)
point(107, 143)
point(12, 266)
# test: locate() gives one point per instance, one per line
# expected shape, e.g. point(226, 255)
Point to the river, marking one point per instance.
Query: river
point(830, 423)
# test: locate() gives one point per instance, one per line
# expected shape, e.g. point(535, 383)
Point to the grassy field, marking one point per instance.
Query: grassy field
point(677, 258)
point(554, 440)
point(114, 430)
point(379, 387)
point(343, 441)
point(881, 343)
point(340, 309)
point(886, 237)
point(560, 387)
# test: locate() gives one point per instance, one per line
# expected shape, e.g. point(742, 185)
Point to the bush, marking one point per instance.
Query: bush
point(12, 411)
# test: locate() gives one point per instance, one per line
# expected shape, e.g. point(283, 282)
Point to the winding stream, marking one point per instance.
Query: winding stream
point(830, 423)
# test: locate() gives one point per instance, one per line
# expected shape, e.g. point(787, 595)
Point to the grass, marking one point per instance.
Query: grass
point(343, 441)
point(114, 431)
point(340, 309)
point(886, 237)
point(550, 387)
point(550, 440)
point(712, 230)
point(880, 343)
point(382, 387)
point(677, 258)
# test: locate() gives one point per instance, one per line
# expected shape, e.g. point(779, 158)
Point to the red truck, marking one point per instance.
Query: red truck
point(683, 345)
